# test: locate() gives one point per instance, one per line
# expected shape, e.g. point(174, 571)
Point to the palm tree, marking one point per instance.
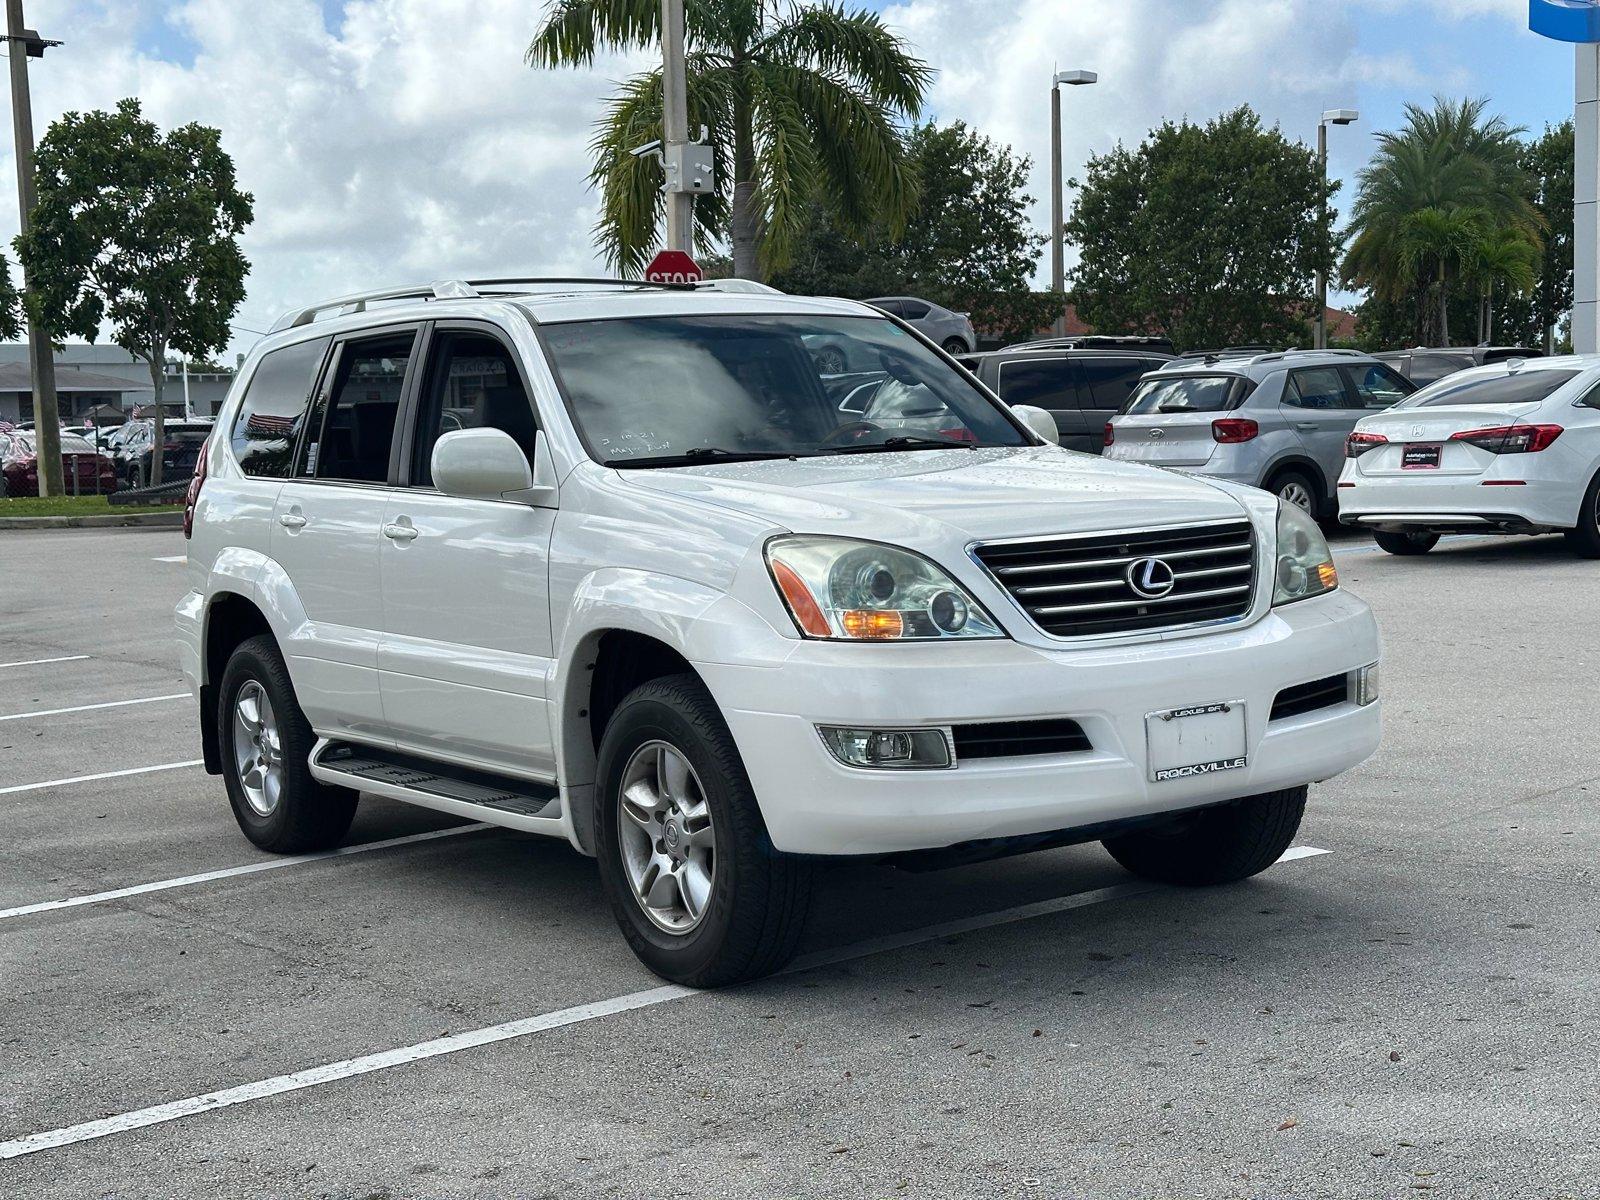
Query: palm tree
point(1406, 241)
point(1501, 259)
point(800, 102)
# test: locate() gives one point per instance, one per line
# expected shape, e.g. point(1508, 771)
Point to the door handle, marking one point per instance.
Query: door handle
point(291, 520)
point(1307, 426)
point(397, 531)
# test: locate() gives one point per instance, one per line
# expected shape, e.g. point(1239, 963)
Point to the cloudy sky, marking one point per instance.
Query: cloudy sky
point(399, 140)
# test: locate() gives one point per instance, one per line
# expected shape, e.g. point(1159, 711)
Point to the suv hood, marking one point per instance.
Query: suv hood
point(999, 492)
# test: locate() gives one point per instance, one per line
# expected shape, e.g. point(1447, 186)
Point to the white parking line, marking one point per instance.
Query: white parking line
point(56, 712)
point(39, 662)
point(50, 783)
point(164, 885)
point(173, 558)
point(368, 1063)
point(1444, 541)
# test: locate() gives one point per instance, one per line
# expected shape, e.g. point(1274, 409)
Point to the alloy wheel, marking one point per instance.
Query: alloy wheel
point(257, 749)
point(668, 842)
point(1294, 492)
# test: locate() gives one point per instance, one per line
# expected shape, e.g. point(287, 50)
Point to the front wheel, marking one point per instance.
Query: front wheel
point(693, 879)
point(1224, 844)
point(1405, 544)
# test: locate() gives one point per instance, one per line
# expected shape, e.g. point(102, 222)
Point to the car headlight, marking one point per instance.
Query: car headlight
point(1305, 564)
point(850, 590)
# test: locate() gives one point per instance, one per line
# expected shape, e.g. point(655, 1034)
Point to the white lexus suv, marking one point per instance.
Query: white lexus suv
point(609, 562)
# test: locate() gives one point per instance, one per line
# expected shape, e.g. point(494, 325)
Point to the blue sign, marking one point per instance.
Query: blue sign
point(1565, 20)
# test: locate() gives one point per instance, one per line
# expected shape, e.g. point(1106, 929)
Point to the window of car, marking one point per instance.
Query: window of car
point(1591, 398)
point(914, 310)
point(1110, 381)
point(893, 307)
point(1318, 388)
point(356, 435)
point(1045, 382)
point(1377, 386)
point(472, 382)
point(1429, 368)
point(1187, 393)
point(1523, 387)
point(660, 391)
point(271, 413)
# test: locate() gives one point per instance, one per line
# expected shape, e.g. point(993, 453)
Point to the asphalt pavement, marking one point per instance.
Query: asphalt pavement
point(1413, 1011)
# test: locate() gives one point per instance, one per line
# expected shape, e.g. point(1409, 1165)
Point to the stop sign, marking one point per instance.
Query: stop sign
point(673, 266)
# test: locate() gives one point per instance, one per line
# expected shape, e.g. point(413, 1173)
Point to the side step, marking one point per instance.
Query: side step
point(481, 795)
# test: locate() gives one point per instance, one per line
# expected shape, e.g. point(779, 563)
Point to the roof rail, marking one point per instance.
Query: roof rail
point(451, 289)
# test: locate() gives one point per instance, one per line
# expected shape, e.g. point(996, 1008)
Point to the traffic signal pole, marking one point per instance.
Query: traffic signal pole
point(675, 122)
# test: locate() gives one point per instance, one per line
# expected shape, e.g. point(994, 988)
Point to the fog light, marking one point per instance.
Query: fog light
point(1367, 684)
point(892, 749)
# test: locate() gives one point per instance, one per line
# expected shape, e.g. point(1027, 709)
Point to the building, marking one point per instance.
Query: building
point(103, 383)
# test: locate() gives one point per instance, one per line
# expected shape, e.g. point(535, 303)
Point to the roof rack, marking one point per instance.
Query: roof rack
point(454, 289)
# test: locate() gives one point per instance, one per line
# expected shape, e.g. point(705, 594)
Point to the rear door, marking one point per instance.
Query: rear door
point(1047, 381)
point(1321, 408)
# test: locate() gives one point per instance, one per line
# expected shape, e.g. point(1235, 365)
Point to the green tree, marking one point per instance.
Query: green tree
point(1548, 162)
point(10, 304)
point(800, 101)
point(139, 231)
point(1207, 233)
point(1501, 260)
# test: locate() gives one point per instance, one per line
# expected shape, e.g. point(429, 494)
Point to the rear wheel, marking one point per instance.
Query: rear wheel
point(266, 751)
point(1585, 539)
point(693, 879)
point(955, 345)
point(1298, 489)
point(829, 360)
point(1215, 845)
point(1406, 544)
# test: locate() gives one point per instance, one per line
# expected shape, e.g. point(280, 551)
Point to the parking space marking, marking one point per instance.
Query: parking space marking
point(50, 783)
point(56, 712)
point(172, 558)
point(261, 1089)
point(39, 662)
point(294, 860)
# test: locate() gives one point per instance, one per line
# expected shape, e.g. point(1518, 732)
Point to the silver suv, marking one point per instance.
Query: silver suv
point(1276, 421)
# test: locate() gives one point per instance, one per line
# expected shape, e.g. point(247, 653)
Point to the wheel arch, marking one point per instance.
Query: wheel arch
point(1302, 463)
point(231, 617)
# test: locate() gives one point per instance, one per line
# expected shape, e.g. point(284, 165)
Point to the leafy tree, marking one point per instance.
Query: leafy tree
point(1549, 163)
point(139, 231)
point(10, 305)
point(800, 101)
point(1500, 260)
point(1209, 234)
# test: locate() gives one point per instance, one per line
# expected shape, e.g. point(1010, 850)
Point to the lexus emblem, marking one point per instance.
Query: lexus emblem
point(1158, 433)
point(1151, 578)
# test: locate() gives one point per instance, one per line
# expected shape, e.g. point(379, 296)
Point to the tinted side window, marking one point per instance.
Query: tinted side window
point(1045, 383)
point(273, 409)
point(1110, 380)
point(913, 310)
point(1317, 388)
point(1377, 386)
point(358, 430)
point(1426, 368)
point(473, 383)
point(1591, 398)
point(893, 307)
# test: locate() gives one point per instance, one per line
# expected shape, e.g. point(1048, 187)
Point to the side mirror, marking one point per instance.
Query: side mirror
point(487, 464)
point(1038, 420)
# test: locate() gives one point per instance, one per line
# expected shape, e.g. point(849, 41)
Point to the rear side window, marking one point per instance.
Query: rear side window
point(1319, 388)
point(358, 431)
point(1525, 387)
point(1427, 368)
point(1043, 382)
point(914, 310)
point(1186, 393)
point(1110, 381)
point(274, 408)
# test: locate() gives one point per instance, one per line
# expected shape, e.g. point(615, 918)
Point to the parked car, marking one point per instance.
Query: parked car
point(1098, 341)
point(1080, 389)
point(951, 330)
point(180, 449)
point(1422, 365)
point(1275, 421)
point(1513, 447)
point(663, 600)
point(83, 471)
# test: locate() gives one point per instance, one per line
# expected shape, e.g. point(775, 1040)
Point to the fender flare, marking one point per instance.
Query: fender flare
point(1299, 462)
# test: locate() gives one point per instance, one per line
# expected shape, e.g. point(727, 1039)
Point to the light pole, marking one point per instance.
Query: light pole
point(1058, 265)
point(1334, 116)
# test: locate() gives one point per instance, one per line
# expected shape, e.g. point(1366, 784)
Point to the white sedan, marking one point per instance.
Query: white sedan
point(1509, 448)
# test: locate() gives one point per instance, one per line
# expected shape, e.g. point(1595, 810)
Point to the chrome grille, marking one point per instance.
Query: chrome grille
point(1080, 586)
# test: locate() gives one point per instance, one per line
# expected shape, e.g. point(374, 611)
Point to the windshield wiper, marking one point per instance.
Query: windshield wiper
point(904, 442)
point(699, 454)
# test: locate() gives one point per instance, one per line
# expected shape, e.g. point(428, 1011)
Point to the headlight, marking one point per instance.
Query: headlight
point(1305, 565)
point(850, 590)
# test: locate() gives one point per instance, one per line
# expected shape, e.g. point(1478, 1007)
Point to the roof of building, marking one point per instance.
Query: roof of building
point(14, 377)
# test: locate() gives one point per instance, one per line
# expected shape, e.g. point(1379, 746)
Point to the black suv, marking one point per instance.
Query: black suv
point(1081, 389)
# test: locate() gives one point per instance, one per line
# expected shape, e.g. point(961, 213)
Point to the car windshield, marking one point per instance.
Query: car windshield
point(1184, 393)
point(1523, 387)
point(658, 391)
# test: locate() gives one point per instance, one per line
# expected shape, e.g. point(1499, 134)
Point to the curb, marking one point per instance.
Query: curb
point(161, 520)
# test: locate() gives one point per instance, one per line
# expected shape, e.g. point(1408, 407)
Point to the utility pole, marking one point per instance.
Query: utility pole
point(675, 124)
point(1058, 254)
point(1334, 116)
point(24, 44)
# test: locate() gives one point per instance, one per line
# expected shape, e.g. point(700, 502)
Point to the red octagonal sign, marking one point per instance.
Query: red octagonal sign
point(673, 266)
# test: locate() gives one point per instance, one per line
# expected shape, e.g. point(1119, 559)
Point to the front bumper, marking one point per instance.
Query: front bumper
point(812, 804)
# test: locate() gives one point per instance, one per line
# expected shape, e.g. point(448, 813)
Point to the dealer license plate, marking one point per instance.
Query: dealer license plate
point(1420, 456)
point(1202, 739)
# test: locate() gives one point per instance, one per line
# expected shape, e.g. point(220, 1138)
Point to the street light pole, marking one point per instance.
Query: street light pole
point(1058, 253)
point(675, 122)
point(1334, 116)
point(23, 44)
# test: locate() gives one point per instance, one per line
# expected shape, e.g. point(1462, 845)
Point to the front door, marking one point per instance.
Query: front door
point(467, 653)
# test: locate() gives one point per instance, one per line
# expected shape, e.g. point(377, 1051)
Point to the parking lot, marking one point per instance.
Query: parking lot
point(1407, 1005)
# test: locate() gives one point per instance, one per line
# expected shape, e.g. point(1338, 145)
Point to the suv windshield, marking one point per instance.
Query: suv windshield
point(654, 391)
point(1184, 393)
point(1520, 388)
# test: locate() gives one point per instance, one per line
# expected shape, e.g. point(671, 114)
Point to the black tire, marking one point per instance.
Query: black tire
point(759, 899)
point(1288, 485)
point(829, 360)
point(309, 815)
point(955, 345)
point(1224, 844)
point(1584, 540)
point(1405, 544)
